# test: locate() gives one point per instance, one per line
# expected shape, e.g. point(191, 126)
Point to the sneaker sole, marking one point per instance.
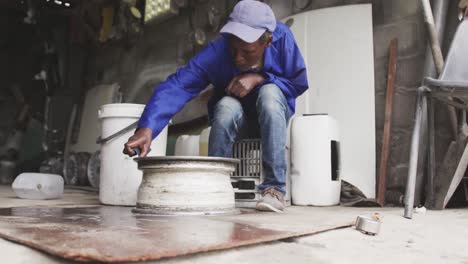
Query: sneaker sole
point(264, 207)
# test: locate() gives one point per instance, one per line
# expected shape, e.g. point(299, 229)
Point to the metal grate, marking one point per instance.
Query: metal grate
point(249, 152)
point(249, 173)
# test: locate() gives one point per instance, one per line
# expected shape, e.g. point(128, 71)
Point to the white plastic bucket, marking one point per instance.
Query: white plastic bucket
point(119, 175)
point(315, 161)
point(187, 145)
point(204, 141)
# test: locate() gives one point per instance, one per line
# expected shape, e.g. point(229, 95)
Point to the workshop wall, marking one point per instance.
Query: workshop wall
point(164, 47)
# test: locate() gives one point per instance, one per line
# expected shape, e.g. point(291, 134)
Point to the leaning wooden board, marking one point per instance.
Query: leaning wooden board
point(337, 44)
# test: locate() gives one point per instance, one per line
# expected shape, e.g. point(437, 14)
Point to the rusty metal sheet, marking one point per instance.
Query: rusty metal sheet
point(115, 234)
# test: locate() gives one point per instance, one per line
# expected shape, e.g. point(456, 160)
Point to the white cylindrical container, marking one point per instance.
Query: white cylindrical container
point(187, 145)
point(315, 161)
point(204, 141)
point(186, 186)
point(119, 175)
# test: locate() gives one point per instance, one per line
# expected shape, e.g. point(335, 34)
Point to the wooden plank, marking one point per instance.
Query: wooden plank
point(388, 122)
point(455, 156)
point(458, 175)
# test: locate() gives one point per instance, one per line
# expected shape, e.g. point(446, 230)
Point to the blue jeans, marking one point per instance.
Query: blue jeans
point(271, 117)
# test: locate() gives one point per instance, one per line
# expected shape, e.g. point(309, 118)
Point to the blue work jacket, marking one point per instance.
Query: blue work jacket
point(283, 65)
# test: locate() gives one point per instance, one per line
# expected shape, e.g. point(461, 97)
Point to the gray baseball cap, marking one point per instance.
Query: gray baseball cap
point(249, 20)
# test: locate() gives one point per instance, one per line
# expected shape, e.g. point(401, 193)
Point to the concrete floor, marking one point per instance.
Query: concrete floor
point(433, 237)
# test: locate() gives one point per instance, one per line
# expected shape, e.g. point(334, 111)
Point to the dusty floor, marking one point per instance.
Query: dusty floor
point(433, 237)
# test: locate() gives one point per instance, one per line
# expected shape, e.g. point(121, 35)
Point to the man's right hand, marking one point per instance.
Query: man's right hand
point(241, 85)
point(142, 140)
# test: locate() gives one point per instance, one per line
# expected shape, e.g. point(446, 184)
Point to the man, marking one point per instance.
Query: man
point(257, 71)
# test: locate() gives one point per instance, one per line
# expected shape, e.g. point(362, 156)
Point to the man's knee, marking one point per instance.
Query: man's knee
point(227, 111)
point(270, 99)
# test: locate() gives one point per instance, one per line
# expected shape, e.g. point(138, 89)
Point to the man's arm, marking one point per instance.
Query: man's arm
point(243, 84)
point(294, 82)
point(169, 98)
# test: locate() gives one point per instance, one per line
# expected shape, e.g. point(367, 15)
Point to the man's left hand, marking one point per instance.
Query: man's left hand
point(241, 85)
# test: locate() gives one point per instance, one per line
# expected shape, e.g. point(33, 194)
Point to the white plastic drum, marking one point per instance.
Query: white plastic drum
point(315, 161)
point(204, 141)
point(187, 145)
point(119, 175)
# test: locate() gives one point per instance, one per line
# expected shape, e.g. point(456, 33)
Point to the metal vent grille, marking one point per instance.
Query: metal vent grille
point(249, 152)
point(249, 173)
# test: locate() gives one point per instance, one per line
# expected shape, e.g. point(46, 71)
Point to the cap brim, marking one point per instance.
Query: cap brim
point(244, 32)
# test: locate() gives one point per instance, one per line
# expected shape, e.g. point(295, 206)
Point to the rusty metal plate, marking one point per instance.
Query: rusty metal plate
point(115, 234)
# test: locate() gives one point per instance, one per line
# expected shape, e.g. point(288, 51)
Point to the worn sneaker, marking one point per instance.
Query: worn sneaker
point(271, 201)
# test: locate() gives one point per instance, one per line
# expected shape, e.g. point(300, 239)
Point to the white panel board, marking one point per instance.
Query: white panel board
point(90, 125)
point(337, 44)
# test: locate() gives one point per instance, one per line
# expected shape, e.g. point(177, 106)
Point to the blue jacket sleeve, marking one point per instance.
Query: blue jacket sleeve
point(179, 88)
point(293, 82)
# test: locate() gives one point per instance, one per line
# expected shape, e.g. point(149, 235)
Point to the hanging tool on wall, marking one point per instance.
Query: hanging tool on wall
point(13, 144)
point(107, 21)
point(10, 151)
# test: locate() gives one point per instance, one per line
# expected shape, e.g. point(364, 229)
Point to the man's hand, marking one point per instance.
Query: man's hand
point(241, 85)
point(141, 140)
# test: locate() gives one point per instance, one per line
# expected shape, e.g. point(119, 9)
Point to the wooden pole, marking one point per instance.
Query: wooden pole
point(388, 122)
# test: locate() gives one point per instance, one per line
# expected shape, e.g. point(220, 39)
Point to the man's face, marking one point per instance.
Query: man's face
point(246, 55)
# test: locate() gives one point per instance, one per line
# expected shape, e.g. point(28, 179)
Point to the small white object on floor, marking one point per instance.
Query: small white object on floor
point(420, 210)
point(38, 186)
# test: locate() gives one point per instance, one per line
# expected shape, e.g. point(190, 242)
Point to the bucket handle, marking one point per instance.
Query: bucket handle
point(132, 126)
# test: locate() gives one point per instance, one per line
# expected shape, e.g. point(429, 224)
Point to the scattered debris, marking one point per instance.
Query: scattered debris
point(353, 197)
point(377, 217)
